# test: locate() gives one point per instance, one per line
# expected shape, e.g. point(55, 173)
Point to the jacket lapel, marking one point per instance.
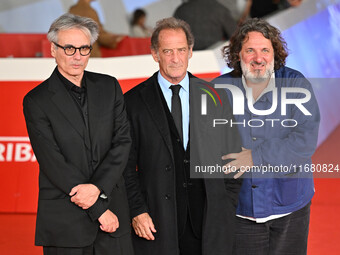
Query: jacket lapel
point(63, 100)
point(152, 99)
point(94, 105)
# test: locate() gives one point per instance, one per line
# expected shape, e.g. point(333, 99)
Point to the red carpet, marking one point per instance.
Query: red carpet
point(324, 233)
point(17, 235)
point(17, 230)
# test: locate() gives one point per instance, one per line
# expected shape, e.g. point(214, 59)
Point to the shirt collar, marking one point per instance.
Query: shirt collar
point(264, 95)
point(165, 84)
point(68, 84)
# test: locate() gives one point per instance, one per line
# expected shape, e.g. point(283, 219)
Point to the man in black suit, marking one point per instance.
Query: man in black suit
point(171, 212)
point(79, 131)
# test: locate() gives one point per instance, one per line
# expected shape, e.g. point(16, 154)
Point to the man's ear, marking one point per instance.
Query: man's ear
point(190, 52)
point(154, 55)
point(53, 50)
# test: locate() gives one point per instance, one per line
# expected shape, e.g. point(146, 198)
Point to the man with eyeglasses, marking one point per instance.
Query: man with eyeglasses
point(79, 132)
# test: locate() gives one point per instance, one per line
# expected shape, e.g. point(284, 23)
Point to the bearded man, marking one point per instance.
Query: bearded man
point(279, 129)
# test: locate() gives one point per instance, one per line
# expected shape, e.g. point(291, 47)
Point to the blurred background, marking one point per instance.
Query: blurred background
point(35, 16)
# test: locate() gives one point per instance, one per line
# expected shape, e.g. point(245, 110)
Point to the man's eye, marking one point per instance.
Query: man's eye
point(69, 47)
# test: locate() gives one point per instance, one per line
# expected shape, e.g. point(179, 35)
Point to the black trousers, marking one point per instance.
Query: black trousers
point(283, 236)
point(103, 245)
point(189, 244)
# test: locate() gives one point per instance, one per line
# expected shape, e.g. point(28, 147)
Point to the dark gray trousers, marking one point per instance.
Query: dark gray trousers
point(283, 236)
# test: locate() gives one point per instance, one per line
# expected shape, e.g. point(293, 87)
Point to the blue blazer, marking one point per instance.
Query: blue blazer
point(281, 143)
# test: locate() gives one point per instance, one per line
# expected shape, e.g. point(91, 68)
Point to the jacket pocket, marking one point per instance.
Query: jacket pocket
point(286, 191)
point(62, 223)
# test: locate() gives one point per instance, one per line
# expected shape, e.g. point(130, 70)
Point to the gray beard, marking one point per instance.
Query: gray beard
point(257, 77)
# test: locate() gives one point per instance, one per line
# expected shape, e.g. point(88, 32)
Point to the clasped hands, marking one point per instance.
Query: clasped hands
point(85, 195)
point(242, 161)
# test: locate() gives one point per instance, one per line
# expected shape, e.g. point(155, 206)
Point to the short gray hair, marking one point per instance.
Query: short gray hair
point(171, 23)
point(70, 21)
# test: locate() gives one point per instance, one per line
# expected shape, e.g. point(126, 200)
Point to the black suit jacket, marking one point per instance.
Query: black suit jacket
point(152, 187)
point(57, 134)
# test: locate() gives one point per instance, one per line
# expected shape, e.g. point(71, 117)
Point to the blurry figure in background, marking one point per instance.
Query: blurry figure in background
point(138, 27)
point(261, 8)
point(232, 6)
point(209, 20)
point(83, 8)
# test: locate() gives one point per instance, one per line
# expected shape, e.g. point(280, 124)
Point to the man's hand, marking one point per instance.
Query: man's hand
point(108, 222)
point(243, 159)
point(84, 195)
point(143, 226)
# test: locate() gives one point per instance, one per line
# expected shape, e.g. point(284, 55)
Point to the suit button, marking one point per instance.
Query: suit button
point(168, 168)
point(186, 161)
point(167, 197)
point(254, 138)
point(184, 185)
point(178, 140)
point(254, 186)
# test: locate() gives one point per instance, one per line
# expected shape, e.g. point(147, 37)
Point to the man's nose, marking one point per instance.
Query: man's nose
point(77, 54)
point(175, 56)
point(258, 57)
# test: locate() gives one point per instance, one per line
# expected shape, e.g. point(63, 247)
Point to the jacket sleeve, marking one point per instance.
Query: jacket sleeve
point(53, 164)
point(233, 145)
point(136, 199)
point(111, 168)
point(98, 208)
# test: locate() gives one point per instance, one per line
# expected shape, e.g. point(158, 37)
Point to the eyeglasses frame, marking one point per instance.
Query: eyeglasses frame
point(76, 48)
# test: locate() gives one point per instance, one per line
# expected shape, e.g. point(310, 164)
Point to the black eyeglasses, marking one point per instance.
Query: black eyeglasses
point(70, 50)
